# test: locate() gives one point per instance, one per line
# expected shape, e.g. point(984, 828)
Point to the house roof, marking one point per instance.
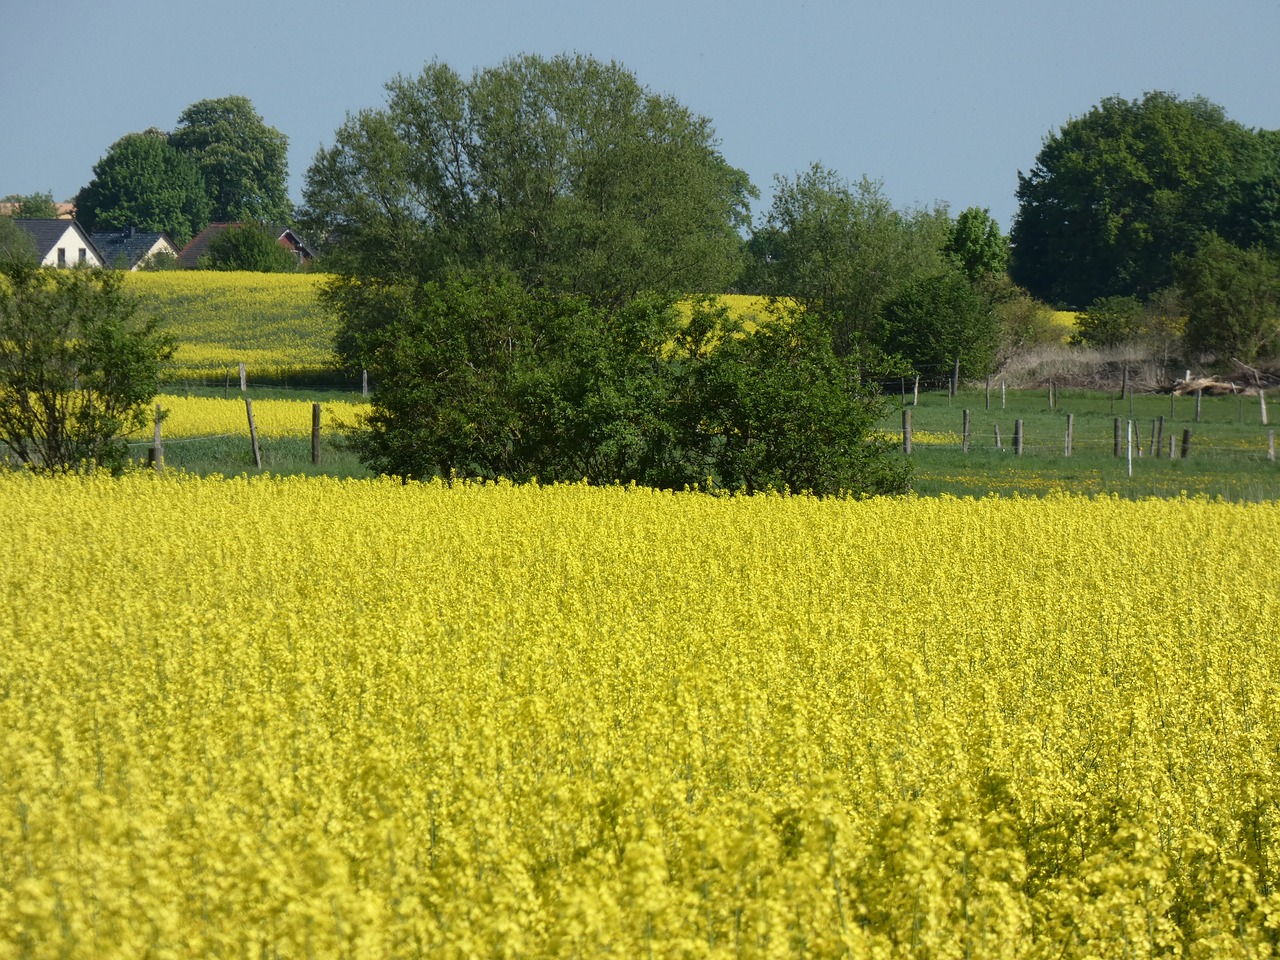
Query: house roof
point(128, 246)
point(46, 233)
point(189, 257)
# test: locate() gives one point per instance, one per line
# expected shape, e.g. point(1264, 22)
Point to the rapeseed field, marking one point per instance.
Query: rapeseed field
point(286, 717)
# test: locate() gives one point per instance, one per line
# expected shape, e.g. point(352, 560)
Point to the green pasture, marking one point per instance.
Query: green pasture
point(1227, 455)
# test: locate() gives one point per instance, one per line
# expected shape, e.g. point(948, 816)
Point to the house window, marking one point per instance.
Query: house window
point(84, 255)
point(62, 256)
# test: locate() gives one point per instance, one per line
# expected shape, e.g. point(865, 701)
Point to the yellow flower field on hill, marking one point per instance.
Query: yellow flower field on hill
point(271, 321)
point(287, 717)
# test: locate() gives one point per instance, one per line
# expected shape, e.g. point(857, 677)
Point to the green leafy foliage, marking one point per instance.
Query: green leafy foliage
point(1109, 321)
point(933, 320)
point(1232, 298)
point(977, 246)
point(78, 366)
point(783, 410)
point(842, 249)
point(1117, 194)
point(144, 182)
point(248, 247)
point(564, 172)
point(15, 243)
point(32, 206)
point(243, 161)
point(480, 377)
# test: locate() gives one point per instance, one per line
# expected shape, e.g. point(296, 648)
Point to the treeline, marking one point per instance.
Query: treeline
point(508, 250)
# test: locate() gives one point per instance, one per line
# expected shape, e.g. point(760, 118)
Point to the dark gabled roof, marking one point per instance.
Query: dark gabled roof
point(189, 256)
point(126, 246)
point(46, 233)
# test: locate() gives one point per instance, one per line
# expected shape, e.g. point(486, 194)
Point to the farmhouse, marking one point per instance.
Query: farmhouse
point(132, 249)
point(61, 243)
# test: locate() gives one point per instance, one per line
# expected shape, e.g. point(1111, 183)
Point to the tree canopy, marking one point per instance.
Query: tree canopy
point(78, 366)
point(243, 161)
point(566, 172)
point(842, 249)
point(143, 182)
point(976, 245)
point(1117, 194)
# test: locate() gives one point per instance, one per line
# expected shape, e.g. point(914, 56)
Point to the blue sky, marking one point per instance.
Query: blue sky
point(943, 101)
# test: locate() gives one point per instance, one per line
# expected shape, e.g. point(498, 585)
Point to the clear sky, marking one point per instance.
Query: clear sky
point(943, 101)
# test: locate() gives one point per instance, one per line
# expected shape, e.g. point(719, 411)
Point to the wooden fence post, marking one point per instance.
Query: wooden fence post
point(1157, 444)
point(1186, 443)
point(915, 392)
point(1271, 445)
point(1199, 393)
point(906, 432)
point(1129, 447)
point(364, 383)
point(1262, 404)
point(315, 433)
point(1017, 437)
point(157, 450)
point(253, 433)
point(964, 443)
point(1071, 422)
point(1001, 394)
point(244, 379)
point(988, 391)
point(998, 445)
point(955, 379)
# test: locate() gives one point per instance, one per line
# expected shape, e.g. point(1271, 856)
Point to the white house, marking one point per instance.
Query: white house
point(61, 243)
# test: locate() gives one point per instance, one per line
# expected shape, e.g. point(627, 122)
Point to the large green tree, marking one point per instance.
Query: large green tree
point(143, 182)
point(1115, 195)
point(565, 172)
point(78, 366)
point(243, 161)
point(842, 250)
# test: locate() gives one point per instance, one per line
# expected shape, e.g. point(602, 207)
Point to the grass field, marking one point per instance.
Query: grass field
point(1227, 454)
point(288, 717)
